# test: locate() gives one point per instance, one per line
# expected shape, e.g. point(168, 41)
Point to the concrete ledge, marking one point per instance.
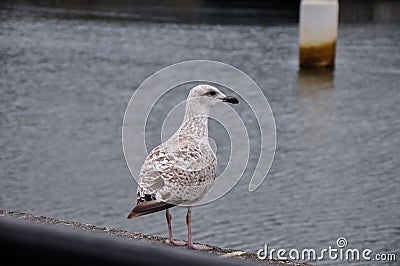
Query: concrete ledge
point(53, 240)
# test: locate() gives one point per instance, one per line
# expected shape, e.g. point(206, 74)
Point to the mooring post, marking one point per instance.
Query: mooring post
point(318, 29)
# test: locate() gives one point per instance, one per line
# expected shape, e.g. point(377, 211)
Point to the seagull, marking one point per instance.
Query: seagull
point(182, 169)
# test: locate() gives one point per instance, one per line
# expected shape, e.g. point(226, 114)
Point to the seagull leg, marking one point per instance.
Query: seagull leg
point(170, 240)
point(190, 242)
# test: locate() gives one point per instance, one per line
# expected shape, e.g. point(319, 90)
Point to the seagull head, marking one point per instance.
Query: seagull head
point(209, 96)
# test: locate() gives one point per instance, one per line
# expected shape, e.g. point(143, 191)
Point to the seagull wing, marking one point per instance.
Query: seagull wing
point(172, 174)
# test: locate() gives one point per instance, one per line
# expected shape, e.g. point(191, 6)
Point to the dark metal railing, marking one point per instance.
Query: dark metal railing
point(29, 243)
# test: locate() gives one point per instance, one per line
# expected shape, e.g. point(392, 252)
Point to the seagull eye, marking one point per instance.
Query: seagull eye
point(212, 93)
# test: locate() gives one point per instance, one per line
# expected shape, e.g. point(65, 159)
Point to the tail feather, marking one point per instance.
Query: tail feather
point(147, 207)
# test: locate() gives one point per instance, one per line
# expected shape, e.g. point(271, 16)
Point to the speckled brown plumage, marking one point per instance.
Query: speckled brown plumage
point(182, 169)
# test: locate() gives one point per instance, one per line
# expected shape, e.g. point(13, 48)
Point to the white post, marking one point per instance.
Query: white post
point(318, 32)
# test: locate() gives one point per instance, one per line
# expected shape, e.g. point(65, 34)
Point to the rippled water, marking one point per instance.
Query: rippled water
point(65, 84)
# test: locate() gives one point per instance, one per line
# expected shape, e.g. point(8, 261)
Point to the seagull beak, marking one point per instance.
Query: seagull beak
point(230, 99)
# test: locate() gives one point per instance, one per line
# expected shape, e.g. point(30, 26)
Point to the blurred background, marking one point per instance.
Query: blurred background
point(69, 68)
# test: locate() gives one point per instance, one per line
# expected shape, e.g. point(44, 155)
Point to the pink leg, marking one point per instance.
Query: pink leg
point(190, 242)
point(170, 240)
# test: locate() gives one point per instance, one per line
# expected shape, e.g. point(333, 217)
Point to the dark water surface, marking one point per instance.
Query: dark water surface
point(65, 84)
